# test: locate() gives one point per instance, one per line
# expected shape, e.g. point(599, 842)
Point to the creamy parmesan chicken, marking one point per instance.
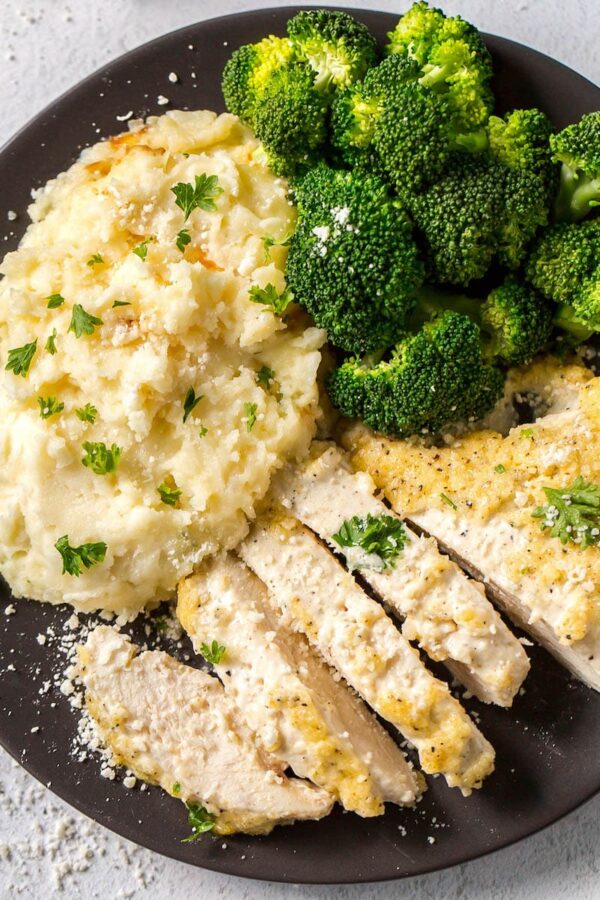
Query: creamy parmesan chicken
point(448, 614)
point(301, 714)
point(174, 725)
point(478, 498)
point(355, 636)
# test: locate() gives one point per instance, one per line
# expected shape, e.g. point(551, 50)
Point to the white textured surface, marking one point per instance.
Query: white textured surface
point(45, 47)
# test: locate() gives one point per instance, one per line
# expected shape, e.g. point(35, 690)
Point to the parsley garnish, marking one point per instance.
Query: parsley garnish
point(197, 196)
point(142, 249)
point(50, 345)
point(159, 623)
point(87, 413)
point(83, 322)
point(250, 415)
point(99, 458)
point(20, 358)
point(55, 300)
point(75, 559)
point(445, 499)
point(383, 536)
point(203, 431)
point(572, 514)
point(265, 376)
point(49, 406)
point(500, 469)
point(169, 494)
point(200, 821)
point(268, 242)
point(95, 260)
point(527, 433)
point(118, 303)
point(176, 789)
point(269, 297)
point(213, 653)
point(183, 239)
point(190, 403)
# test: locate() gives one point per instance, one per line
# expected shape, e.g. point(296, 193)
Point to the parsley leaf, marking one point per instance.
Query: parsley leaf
point(55, 300)
point(500, 469)
point(572, 514)
point(20, 358)
point(95, 260)
point(169, 494)
point(527, 433)
point(87, 413)
point(383, 536)
point(212, 653)
point(159, 623)
point(265, 376)
point(268, 242)
point(445, 499)
point(50, 345)
point(118, 303)
point(75, 559)
point(203, 431)
point(197, 196)
point(83, 322)
point(269, 297)
point(190, 403)
point(142, 249)
point(183, 239)
point(176, 789)
point(49, 406)
point(200, 821)
point(250, 415)
point(99, 458)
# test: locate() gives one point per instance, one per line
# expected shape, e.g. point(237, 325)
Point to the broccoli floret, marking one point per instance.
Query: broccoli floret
point(564, 265)
point(453, 60)
point(337, 47)
point(291, 119)
point(352, 262)
point(247, 73)
point(521, 141)
point(577, 147)
point(432, 379)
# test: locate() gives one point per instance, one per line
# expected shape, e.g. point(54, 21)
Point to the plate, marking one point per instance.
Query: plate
point(547, 745)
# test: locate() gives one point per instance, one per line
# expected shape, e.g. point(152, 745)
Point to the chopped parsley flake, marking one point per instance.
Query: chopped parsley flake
point(572, 514)
point(500, 469)
point(212, 653)
point(183, 239)
point(83, 322)
point(159, 623)
point(75, 559)
point(95, 260)
point(203, 431)
point(445, 499)
point(169, 493)
point(382, 536)
point(142, 249)
point(118, 303)
point(190, 403)
point(176, 789)
point(200, 195)
point(268, 242)
point(50, 345)
point(55, 300)
point(99, 458)
point(265, 376)
point(527, 433)
point(20, 358)
point(269, 296)
point(87, 413)
point(250, 415)
point(49, 406)
point(200, 821)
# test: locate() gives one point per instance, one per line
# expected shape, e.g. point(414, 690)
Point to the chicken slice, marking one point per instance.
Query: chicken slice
point(477, 499)
point(448, 614)
point(300, 714)
point(174, 725)
point(355, 636)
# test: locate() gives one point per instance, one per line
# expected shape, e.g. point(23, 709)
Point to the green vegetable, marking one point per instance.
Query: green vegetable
point(200, 821)
point(213, 652)
point(268, 242)
point(83, 322)
point(101, 459)
point(265, 376)
point(75, 559)
point(572, 514)
point(49, 406)
point(248, 71)
point(577, 148)
point(169, 494)
point(50, 345)
point(269, 296)
point(176, 789)
point(352, 261)
point(183, 239)
point(87, 413)
point(338, 49)
point(95, 260)
point(142, 249)
point(190, 403)
point(118, 303)
point(445, 499)
point(382, 536)
point(19, 359)
point(250, 415)
point(197, 196)
point(55, 300)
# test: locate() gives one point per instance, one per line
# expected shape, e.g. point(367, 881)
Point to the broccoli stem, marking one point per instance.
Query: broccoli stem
point(567, 321)
point(577, 194)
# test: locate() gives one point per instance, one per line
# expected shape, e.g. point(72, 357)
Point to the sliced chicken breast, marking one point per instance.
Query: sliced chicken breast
point(355, 636)
point(478, 497)
point(447, 613)
point(288, 696)
point(174, 725)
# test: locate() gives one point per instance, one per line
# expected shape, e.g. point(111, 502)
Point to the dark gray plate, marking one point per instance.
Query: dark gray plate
point(548, 761)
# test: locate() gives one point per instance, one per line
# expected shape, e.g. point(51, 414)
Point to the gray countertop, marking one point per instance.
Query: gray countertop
point(46, 849)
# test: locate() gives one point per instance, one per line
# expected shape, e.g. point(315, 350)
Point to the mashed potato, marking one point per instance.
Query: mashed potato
point(188, 323)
